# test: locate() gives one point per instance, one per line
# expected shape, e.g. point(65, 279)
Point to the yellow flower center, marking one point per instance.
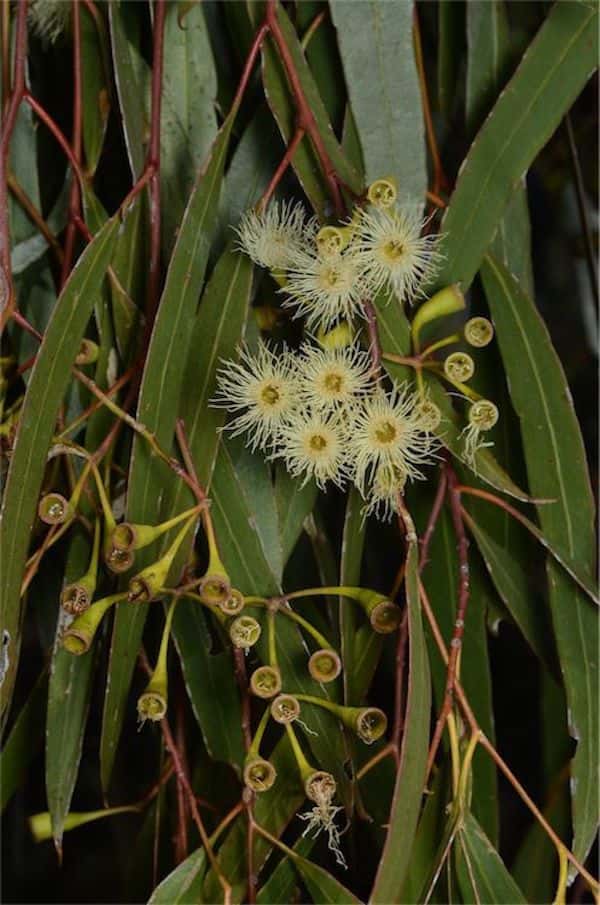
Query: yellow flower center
point(270, 395)
point(317, 442)
point(386, 432)
point(333, 382)
point(331, 277)
point(393, 249)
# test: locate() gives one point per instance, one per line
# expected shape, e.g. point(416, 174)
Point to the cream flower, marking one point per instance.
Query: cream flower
point(49, 18)
point(483, 416)
point(387, 483)
point(390, 433)
point(331, 379)
point(313, 444)
point(324, 288)
point(390, 250)
point(276, 237)
point(262, 388)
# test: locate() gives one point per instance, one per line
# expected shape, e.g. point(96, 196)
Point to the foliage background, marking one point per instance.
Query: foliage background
point(470, 52)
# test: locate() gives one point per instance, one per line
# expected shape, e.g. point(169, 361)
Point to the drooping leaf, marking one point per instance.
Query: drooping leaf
point(410, 780)
point(376, 38)
point(132, 77)
point(47, 386)
point(95, 86)
point(551, 74)
point(482, 875)
point(188, 120)
point(24, 741)
point(157, 408)
point(183, 884)
point(557, 470)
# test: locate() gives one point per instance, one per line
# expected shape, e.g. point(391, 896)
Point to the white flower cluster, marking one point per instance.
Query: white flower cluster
point(322, 410)
point(324, 415)
point(326, 274)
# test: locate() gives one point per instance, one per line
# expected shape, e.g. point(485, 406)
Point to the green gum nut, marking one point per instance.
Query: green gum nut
point(244, 632)
point(234, 603)
point(54, 509)
point(152, 705)
point(320, 787)
point(285, 708)
point(76, 598)
point(383, 614)
point(325, 665)
point(118, 561)
point(259, 774)
point(265, 682)
point(369, 723)
point(88, 352)
point(79, 636)
point(215, 586)
point(446, 301)
point(128, 536)
point(383, 192)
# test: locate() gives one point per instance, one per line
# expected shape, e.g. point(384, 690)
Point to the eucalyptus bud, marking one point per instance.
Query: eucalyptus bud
point(479, 332)
point(259, 774)
point(77, 596)
point(129, 536)
point(331, 240)
point(244, 632)
point(325, 665)
point(152, 703)
point(382, 193)
point(446, 301)
point(285, 708)
point(55, 509)
point(265, 682)
point(234, 603)
point(459, 367)
point(88, 352)
point(78, 638)
point(148, 583)
point(384, 615)
point(339, 337)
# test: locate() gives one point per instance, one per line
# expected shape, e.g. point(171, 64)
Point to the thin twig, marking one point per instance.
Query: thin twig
point(280, 171)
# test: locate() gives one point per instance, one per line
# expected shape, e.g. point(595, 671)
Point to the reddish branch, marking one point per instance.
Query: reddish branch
point(75, 192)
point(284, 164)
point(153, 160)
point(306, 119)
point(462, 545)
point(7, 292)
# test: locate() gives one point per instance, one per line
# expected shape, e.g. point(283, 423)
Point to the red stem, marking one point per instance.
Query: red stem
point(374, 344)
point(58, 134)
point(433, 519)
point(462, 544)
point(306, 119)
point(75, 195)
point(247, 70)
point(284, 164)
point(153, 161)
point(7, 292)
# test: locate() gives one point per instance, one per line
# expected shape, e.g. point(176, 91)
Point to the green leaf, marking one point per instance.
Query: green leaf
point(491, 58)
point(512, 584)
point(376, 38)
point(394, 336)
point(294, 504)
point(95, 97)
point(281, 886)
point(273, 810)
point(321, 885)
point(49, 380)
point(132, 77)
point(277, 91)
point(441, 579)
point(188, 119)
point(557, 470)
point(24, 741)
point(160, 393)
point(410, 779)
point(450, 52)
point(551, 74)
point(482, 875)
point(184, 884)
point(210, 683)
point(126, 263)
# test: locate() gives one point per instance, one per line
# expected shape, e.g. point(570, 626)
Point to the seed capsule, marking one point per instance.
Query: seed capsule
point(265, 682)
point(479, 332)
point(325, 665)
point(459, 366)
point(285, 708)
point(259, 774)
